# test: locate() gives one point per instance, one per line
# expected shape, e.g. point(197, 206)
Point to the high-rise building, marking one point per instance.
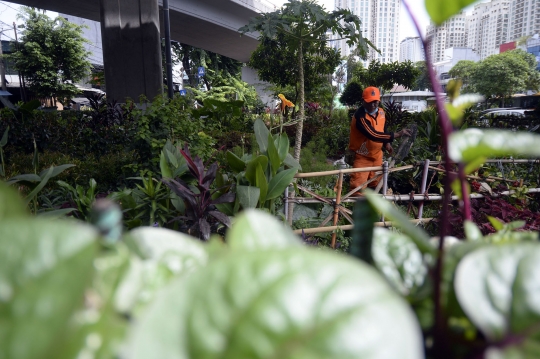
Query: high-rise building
point(453, 33)
point(411, 49)
point(488, 27)
point(380, 25)
point(524, 19)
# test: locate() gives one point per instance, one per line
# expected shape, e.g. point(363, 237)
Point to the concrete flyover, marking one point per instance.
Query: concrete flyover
point(131, 35)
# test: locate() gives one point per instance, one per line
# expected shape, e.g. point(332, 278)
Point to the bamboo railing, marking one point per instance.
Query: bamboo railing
point(382, 172)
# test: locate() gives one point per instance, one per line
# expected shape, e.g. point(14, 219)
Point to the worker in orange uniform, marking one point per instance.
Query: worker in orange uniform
point(368, 136)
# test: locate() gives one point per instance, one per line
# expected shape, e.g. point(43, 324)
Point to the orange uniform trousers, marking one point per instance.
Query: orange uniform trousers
point(359, 178)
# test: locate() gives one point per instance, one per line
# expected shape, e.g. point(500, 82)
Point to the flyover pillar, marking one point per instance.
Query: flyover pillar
point(131, 49)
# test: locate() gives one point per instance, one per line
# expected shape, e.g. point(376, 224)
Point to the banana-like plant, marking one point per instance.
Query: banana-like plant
point(262, 177)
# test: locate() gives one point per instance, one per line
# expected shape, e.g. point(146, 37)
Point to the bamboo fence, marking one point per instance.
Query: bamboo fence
point(382, 172)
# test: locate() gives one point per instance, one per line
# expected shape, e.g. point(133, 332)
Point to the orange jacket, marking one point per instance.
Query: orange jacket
point(368, 134)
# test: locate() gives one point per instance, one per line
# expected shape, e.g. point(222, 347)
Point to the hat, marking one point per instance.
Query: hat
point(371, 94)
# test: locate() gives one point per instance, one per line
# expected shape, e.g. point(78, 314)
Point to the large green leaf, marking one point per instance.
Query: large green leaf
point(279, 304)
point(282, 180)
point(251, 168)
point(273, 155)
point(399, 260)
point(261, 134)
point(468, 145)
point(498, 288)
point(364, 216)
point(291, 162)
point(164, 166)
point(235, 162)
point(262, 183)
point(39, 187)
point(251, 231)
point(442, 10)
point(283, 146)
point(11, 205)
point(28, 177)
point(44, 269)
point(248, 196)
point(56, 170)
point(166, 254)
point(416, 234)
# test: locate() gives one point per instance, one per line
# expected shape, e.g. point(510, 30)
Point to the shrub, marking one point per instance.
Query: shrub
point(109, 170)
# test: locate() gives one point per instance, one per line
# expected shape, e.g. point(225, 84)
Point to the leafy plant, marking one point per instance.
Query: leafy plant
point(83, 200)
point(36, 182)
point(198, 199)
point(167, 282)
point(303, 25)
point(262, 177)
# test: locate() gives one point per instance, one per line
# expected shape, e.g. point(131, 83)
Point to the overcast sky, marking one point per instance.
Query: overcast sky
point(407, 27)
point(8, 14)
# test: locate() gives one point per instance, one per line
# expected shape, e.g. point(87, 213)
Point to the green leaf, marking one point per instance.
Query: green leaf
point(283, 146)
point(497, 288)
point(273, 155)
point(251, 228)
point(471, 144)
point(164, 166)
point(57, 213)
point(172, 158)
point(282, 180)
point(262, 183)
point(39, 187)
point(11, 205)
point(248, 196)
point(261, 134)
point(474, 165)
point(498, 225)
point(399, 260)
point(30, 177)
point(418, 236)
point(442, 10)
point(4, 139)
point(44, 269)
point(251, 168)
point(279, 304)
point(56, 171)
point(235, 162)
point(472, 232)
point(291, 162)
point(166, 254)
point(364, 217)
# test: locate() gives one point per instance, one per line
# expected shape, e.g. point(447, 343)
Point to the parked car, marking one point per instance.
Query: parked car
point(487, 117)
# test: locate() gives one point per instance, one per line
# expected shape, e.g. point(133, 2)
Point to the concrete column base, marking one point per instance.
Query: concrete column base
point(131, 49)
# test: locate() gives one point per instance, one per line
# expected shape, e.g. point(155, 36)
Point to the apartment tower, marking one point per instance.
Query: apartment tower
point(380, 25)
point(411, 49)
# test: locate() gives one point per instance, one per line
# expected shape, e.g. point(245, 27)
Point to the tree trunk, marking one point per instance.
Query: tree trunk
point(299, 125)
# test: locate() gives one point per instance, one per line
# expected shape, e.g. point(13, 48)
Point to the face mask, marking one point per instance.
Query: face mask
point(374, 112)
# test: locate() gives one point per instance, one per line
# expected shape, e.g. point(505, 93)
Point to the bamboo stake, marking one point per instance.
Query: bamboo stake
point(336, 209)
point(336, 172)
point(348, 227)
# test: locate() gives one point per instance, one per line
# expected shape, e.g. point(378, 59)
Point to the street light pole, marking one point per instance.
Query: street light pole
point(168, 55)
point(2, 67)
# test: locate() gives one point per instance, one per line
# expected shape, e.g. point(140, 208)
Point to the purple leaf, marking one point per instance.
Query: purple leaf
point(210, 175)
point(204, 228)
point(220, 217)
point(226, 198)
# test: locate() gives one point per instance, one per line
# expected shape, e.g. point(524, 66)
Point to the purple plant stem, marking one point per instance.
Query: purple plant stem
point(466, 202)
point(440, 343)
